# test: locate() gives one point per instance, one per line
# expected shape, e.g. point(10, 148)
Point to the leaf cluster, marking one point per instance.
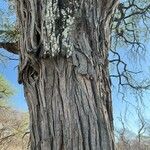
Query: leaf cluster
point(5, 91)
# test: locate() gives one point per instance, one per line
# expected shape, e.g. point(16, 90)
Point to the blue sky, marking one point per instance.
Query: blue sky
point(9, 69)
point(10, 72)
point(120, 105)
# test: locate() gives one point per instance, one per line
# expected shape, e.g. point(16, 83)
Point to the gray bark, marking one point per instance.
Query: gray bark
point(64, 69)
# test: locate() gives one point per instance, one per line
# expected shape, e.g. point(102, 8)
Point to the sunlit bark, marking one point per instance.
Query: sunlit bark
point(64, 69)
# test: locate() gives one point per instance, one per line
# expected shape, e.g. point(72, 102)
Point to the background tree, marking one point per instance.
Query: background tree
point(5, 91)
point(129, 140)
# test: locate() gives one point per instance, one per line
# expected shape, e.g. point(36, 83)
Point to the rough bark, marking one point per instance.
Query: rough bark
point(64, 69)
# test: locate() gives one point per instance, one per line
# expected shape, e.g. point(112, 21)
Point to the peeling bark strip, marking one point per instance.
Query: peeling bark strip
point(64, 70)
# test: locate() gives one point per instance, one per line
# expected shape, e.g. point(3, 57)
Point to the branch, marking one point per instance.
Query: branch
point(129, 20)
point(10, 47)
point(125, 76)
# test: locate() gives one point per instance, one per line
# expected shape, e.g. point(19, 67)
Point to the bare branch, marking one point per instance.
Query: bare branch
point(10, 47)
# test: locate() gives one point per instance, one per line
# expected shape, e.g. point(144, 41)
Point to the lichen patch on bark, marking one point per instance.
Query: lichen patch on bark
point(64, 69)
point(58, 27)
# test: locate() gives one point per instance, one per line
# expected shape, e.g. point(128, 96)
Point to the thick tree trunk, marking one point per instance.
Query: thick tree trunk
point(64, 70)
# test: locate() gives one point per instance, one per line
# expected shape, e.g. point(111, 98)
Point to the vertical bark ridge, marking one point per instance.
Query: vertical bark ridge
point(64, 69)
point(72, 115)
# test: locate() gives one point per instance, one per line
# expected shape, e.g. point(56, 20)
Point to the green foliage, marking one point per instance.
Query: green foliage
point(5, 91)
point(8, 25)
point(9, 34)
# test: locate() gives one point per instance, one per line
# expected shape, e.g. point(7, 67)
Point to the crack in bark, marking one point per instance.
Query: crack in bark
point(68, 96)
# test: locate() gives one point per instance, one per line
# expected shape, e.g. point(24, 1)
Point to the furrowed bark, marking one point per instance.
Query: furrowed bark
point(64, 69)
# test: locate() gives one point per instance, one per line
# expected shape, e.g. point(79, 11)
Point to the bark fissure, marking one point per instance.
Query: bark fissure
point(64, 69)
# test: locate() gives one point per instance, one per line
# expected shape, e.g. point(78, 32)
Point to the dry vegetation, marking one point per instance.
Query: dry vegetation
point(133, 144)
point(13, 130)
point(14, 133)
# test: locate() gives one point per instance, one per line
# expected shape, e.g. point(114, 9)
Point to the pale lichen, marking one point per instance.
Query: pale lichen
point(57, 28)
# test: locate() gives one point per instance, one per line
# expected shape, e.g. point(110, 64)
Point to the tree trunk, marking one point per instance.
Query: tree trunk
point(64, 69)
